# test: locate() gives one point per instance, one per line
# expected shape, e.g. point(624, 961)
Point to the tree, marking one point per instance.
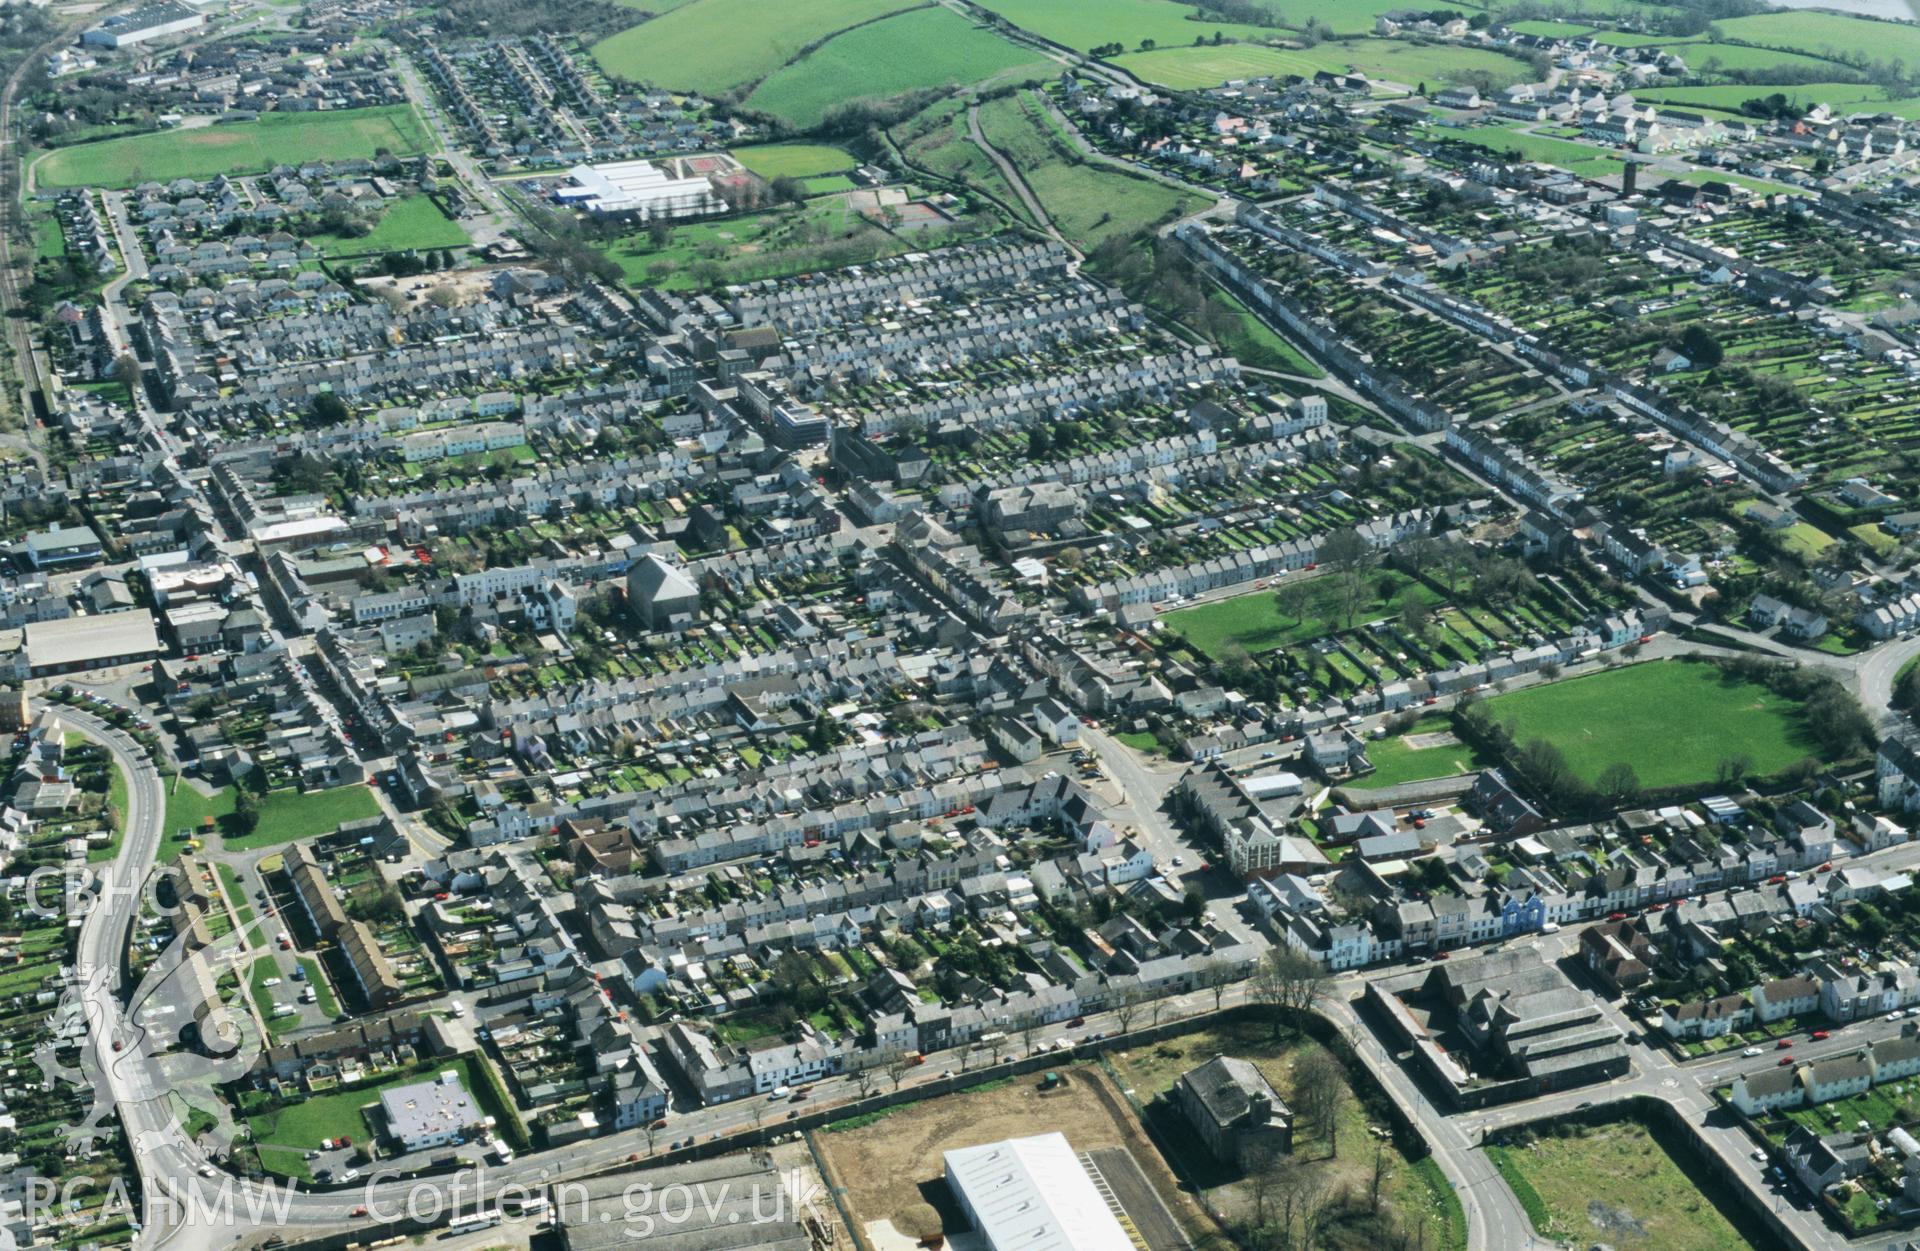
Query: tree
point(329, 409)
point(863, 1079)
point(1701, 347)
point(1215, 975)
point(246, 810)
point(1546, 767)
point(1733, 768)
point(897, 1068)
point(1618, 783)
point(1319, 1085)
point(1126, 1009)
point(1291, 599)
point(1344, 551)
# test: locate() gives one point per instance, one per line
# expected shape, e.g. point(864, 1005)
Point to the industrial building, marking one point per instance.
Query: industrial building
point(636, 188)
point(149, 21)
point(77, 643)
point(1033, 1194)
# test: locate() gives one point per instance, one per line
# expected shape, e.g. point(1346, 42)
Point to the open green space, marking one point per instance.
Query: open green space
point(236, 148)
point(826, 233)
point(932, 47)
point(1256, 622)
point(1716, 58)
point(1391, 60)
point(1728, 97)
point(413, 223)
point(1255, 343)
point(1395, 762)
point(322, 989)
point(1586, 159)
point(284, 815)
point(794, 160)
point(1086, 24)
point(1826, 34)
point(717, 45)
point(1672, 721)
point(1089, 201)
point(1614, 1184)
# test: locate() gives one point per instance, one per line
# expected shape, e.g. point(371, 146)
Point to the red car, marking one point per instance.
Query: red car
point(1616, 916)
point(359, 1211)
point(1784, 1062)
point(1656, 907)
point(1783, 1044)
point(1821, 1035)
point(1442, 955)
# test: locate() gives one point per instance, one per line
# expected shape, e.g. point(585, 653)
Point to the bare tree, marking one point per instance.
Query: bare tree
point(1379, 1176)
point(966, 1049)
point(1319, 1086)
point(897, 1070)
point(1028, 1029)
point(1216, 975)
point(1289, 983)
point(1126, 1008)
point(863, 1080)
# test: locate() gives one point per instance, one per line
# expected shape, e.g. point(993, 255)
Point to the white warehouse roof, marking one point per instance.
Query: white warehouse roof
point(1033, 1194)
point(635, 186)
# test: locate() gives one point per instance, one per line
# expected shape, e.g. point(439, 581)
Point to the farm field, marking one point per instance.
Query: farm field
point(1391, 60)
point(1713, 58)
point(1672, 721)
point(1255, 622)
point(1342, 17)
point(412, 223)
point(1150, 1071)
point(1085, 24)
point(924, 48)
point(1614, 1184)
point(702, 45)
point(1090, 202)
point(1827, 34)
point(238, 148)
point(1729, 97)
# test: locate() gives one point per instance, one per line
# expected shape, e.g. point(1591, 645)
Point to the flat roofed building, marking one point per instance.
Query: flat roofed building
point(640, 188)
point(1033, 1194)
point(429, 1114)
point(90, 642)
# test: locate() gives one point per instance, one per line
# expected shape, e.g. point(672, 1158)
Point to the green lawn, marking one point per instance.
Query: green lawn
point(264, 996)
point(411, 224)
point(1395, 763)
point(284, 815)
point(924, 48)
point(322, 990)
point(1730, 96)
point(1825, 34)
point(1673, 721)
point(338, 1113)
point(1255, 343)
point(1255, 621)
point(1615, 1184)
point(794, 160)
point(239, 148)
point(717, 45)
point(117, 805)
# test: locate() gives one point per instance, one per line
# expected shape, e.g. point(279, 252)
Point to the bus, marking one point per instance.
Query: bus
point(473, 1224)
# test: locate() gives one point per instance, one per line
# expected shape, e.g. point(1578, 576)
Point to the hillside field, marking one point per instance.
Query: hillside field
point(924, 48)
point(1392, 60)
point(716, 45)
point(1089, 201)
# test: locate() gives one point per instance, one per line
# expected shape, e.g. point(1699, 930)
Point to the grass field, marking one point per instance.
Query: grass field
point(1616, 1184)
point(1673, 721)
point(1711, 58)
point(1342, 17)
point(1394, 762)
point(1084, 24)
point(411, 223)
point(301, 1126)
point(240, 148)
point(1255, 622)
point(794, 160)
point(1255, 343)
point(1826, 34)
point(1577, 158)
point(717, 45)
point(284, 815)
point(925, 48)
point(1391, 60)
point(1088, 201)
